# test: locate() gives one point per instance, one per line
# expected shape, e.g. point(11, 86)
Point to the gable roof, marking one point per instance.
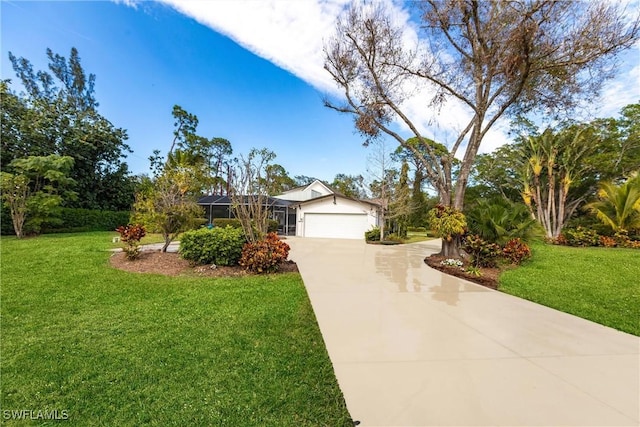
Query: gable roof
point(218, 200)
point(328, 196)
point(305, 187)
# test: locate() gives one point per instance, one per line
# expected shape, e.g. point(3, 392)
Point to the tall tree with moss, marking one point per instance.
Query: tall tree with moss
point(494, 58)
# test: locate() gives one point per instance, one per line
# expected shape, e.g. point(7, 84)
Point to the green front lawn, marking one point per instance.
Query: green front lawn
point(599, 284)
point(117, 348)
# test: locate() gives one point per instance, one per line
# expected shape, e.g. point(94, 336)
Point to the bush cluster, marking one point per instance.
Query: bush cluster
point(219, 246)
point(487, 254)
point(131, 236)
point(584, 237)
point(372, 235)
point(264, 256)
point(482, 252)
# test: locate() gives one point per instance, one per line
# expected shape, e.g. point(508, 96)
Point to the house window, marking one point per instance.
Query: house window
point(315, 194)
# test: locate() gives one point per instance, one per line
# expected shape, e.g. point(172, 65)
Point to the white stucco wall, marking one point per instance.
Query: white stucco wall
point(341, 206)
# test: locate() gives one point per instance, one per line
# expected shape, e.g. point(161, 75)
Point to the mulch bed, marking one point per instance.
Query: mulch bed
point(489, 277)
point(170, 264)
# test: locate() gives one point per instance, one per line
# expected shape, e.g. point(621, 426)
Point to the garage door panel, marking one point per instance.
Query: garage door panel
point(341, 226)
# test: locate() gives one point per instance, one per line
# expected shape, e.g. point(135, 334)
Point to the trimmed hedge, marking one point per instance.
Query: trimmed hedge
point(219, 246)
point(75, 220)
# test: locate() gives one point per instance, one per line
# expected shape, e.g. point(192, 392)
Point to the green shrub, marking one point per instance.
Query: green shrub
point(516, 251)
point(264, 256)
point(226, 222)
point(272, 225)
point(393, 238)
point(372, 235)
point(579, 236)
point(483, 253)
point(131, 236)
point(219, 246)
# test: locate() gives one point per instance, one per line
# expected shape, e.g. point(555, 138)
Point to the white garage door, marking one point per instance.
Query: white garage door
point(341, 226)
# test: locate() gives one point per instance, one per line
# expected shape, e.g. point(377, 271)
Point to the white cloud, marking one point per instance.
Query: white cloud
point(625, 89)
point(289, 33)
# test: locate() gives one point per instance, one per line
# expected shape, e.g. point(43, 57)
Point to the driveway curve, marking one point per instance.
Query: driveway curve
point(411, 346)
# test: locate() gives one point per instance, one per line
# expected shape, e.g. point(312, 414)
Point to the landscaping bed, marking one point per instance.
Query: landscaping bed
point(488, 276)
point(170, 264)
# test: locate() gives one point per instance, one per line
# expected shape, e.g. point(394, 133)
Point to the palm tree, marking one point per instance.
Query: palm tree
point(619, 205)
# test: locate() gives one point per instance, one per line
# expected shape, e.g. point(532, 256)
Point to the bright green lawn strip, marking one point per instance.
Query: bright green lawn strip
point(599, 284)
point(117, 348)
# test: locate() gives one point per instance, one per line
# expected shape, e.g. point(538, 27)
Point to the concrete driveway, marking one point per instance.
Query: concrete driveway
point(413, 347)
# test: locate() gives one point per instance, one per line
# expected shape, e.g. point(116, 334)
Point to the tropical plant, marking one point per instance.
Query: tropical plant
point(553, 166)
point(131, 235)
point(449, 224)
point(264, 256)
point(483, 253)
point(516, 251)
point(619, 205)
point(500, 220)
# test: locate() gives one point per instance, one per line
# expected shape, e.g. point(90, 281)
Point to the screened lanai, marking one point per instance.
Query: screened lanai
point(280, 210)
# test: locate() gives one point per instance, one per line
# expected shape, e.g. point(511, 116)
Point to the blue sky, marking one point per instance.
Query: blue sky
point(149, 56)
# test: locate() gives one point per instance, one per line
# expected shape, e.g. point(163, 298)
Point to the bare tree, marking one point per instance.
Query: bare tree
point(249, 196)
point(495, 58)
point(382, 174)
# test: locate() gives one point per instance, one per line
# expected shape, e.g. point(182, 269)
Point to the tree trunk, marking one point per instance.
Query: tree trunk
point(167, 241)
point(450, 249)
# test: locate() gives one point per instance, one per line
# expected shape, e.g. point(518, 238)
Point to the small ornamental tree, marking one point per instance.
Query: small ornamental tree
point(35, 190)
point(449, 224)
point(167, 205)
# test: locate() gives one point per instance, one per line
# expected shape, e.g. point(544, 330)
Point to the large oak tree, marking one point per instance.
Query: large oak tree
point(494, 58)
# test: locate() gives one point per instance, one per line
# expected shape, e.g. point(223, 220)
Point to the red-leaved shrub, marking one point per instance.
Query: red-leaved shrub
point(516, 251)
point(131, 236)
point(607, 242)
point(264, 256)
